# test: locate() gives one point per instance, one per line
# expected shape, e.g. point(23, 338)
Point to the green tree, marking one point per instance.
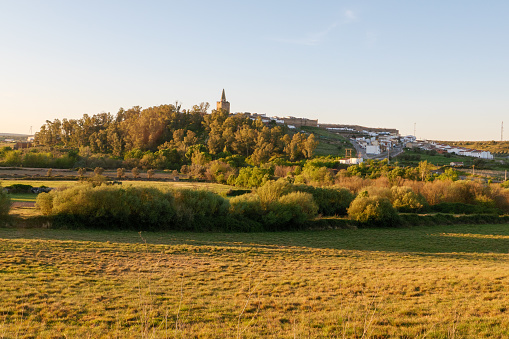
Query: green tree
point(424, 169)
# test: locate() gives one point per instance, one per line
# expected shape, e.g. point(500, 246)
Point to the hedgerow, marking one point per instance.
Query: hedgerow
point(5, 204)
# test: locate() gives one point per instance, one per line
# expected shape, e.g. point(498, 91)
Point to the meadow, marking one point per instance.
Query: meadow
point(421, 282)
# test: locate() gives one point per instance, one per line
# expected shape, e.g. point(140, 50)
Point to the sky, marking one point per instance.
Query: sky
point(439, 66)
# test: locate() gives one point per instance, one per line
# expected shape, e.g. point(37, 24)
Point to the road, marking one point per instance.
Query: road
point(361, 153)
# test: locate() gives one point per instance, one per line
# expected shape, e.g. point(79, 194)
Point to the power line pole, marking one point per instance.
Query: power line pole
point(502, 132)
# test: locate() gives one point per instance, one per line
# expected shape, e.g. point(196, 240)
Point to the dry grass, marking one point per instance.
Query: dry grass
point(439, 282)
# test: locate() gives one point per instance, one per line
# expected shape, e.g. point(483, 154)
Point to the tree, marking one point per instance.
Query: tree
point(120, 173)
point(425, 169)
point(81, 172)
point(136, 172)
point(98, 170)
point(309, 146)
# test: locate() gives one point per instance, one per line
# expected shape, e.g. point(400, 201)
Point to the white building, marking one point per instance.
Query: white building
point(351, 161)
point(371, 149)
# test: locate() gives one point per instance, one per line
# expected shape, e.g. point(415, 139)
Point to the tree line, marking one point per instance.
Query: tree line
point(171, 136)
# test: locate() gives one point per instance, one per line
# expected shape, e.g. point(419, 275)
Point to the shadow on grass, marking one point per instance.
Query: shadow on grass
point(430, 239)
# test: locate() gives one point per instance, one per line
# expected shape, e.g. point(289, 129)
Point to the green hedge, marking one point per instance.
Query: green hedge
point(150, 209)
point(5, 204)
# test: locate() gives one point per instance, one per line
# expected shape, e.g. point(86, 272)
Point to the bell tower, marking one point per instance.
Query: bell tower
point(223, 104)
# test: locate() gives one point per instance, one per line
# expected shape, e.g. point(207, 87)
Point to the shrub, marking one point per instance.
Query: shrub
point(120, 173)
point(404, 199)
point(278, 212)
point(247, 206)
point(376, 211)
point(98, 170)
point(319, 176)
point(136, 172)
point(197, 209)
point(19, 188)
point(330, 201)
point(273, 190)
point(109, 207)
point(5, 203)
point(250, 177)
point(81, 171)
point(290, 212)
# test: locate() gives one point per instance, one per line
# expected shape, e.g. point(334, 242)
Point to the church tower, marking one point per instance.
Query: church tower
point(223, 104)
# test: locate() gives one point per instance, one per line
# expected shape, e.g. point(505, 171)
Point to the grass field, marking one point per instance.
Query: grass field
point(37, 183)
point(426, 282)
point(330, 143)
point(438, 160)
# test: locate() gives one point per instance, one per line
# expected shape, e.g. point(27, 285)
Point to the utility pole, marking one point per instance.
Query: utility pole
point(502, 132)
point(389, 155)
point(414, 129)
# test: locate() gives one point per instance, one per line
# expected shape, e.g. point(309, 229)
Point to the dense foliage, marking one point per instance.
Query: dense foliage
point(163, 137)
point(108, 207)
point(375, 210)
point(5, 203)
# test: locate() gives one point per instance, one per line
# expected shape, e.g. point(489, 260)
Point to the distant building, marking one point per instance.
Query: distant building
point(223, 104)
point(351, 161)
point(372, 149)
point(22, 145)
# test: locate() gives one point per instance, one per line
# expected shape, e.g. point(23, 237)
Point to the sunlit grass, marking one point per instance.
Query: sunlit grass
point(38, 183)
point(434, 282)
point(22, 197)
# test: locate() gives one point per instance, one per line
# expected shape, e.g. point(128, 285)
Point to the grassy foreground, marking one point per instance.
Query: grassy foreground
point(426, 282)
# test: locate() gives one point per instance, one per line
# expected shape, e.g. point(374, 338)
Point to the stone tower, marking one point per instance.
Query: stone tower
point(223, 104)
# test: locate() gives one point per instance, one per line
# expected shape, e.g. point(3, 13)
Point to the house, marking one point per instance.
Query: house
point(22, 145)
point(351, 161)
point(371, 149)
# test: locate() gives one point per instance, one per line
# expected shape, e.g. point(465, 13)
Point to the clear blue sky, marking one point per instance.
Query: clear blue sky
point(440, 64)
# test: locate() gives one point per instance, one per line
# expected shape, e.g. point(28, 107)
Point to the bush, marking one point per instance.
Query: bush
point(198, 210)
point(375, 211)
point(247, 206)
point(286, 212)
point(20, 188)
point(272, 190)
point(290, 212)
point(250, 177)
point(461, 208)
point(404, 199)
point(330, 201)
point(5, 203)
point(109, 207)
point(319, 176)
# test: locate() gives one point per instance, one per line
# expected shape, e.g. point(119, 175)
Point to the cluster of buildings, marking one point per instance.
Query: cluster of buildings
point(443, 149)
point(376, 143)
point(294, 122)
point(373, 141)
